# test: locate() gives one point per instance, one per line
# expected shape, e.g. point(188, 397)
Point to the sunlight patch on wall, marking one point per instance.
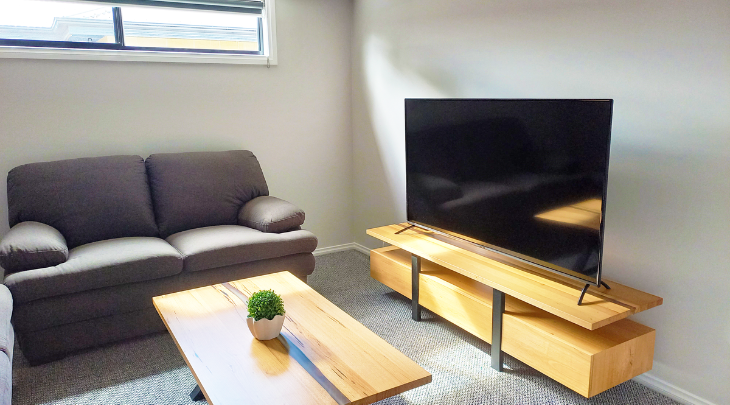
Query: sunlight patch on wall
point(386, 87)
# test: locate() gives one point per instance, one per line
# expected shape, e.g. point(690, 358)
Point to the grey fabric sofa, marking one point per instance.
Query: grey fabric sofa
point(7, 340)
point(92, 240)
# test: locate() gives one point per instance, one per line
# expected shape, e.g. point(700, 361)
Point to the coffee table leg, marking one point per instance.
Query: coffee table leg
point(197, 394)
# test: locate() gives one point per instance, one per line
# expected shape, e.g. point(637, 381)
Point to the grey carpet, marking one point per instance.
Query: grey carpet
point(150, 370)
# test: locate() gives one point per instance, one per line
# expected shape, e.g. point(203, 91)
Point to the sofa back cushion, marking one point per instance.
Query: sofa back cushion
point(197, 189)
point(87, 199)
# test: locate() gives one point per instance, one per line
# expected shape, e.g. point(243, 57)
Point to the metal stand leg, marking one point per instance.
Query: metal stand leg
point(197, 394)
point(415, 270)
point(405, 229)
point(497, 311)
point(583, 294)
point(585, 289)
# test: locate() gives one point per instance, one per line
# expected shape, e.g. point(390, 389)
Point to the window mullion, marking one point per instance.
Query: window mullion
point(118, 26)
point(260, 30)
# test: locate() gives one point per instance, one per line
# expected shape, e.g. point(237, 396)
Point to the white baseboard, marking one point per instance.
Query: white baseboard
point(670, 390)
point(341, 248)
point(360, 248)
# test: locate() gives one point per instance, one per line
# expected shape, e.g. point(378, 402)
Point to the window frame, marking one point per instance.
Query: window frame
point(113, 52)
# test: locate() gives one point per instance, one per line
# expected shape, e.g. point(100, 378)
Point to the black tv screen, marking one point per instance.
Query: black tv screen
point(524, 178)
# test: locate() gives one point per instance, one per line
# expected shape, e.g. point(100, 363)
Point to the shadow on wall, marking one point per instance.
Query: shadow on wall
point(385, 87)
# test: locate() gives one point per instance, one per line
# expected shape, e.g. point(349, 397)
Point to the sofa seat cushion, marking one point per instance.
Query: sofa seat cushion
point(122, 299)
point(96, 265)
point(223, 245)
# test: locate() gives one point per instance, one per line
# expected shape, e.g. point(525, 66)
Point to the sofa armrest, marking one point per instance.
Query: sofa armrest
point(270, 214)
point(32, 245)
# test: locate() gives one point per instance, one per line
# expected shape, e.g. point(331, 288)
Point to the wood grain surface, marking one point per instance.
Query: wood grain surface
point(208, 325)
point(552, 293)
point(586, 361)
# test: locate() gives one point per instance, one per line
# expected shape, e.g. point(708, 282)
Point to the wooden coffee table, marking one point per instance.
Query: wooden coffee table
point(323, 355)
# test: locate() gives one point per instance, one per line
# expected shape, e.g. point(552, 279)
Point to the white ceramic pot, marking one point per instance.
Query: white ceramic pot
point(265, 329)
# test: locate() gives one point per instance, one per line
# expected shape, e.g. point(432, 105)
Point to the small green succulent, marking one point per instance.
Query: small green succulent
point(265, 304)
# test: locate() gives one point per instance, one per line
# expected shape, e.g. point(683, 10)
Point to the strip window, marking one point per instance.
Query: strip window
point(83, 25)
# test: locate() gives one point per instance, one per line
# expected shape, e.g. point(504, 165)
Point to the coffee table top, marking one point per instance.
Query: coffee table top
point(208, 325)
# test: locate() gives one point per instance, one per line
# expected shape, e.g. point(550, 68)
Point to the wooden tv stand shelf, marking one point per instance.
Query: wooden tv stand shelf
point(588, 348)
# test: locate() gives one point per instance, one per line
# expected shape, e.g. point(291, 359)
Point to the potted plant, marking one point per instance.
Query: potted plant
point(265, 314)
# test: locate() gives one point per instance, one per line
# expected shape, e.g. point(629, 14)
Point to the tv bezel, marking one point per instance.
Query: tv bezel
point(506, 253)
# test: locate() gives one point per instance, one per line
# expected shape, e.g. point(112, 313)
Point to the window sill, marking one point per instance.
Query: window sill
point(133, 56)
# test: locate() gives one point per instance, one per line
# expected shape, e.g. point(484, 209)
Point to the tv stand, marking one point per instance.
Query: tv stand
point(528, 313)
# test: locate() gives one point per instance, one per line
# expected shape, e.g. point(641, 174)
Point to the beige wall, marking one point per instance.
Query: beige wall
point(666, 64)
point(295, 116)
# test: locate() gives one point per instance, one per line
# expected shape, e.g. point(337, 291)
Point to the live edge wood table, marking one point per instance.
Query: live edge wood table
point(589, 348)
point(323, 356)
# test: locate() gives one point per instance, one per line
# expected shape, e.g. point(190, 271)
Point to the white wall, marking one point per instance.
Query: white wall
point(666, 64)
point(295, 116)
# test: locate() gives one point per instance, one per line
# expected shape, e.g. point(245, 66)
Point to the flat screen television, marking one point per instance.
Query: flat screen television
point(525, 178)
